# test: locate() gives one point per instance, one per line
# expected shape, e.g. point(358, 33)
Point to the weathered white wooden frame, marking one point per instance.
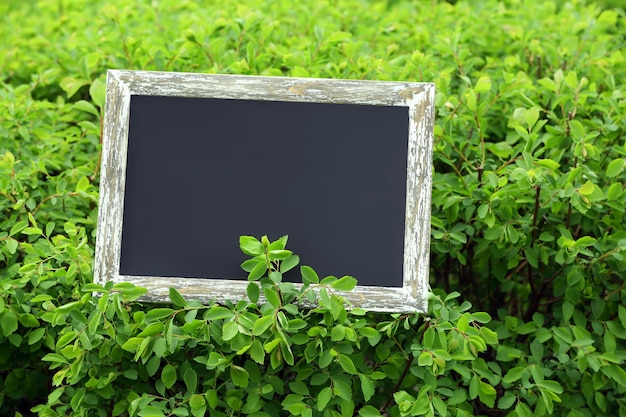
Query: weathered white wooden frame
point(418, 98)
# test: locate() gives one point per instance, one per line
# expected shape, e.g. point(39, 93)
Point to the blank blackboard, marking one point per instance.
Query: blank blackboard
point(193, 161)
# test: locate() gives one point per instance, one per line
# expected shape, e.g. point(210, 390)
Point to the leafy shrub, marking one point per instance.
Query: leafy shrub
point(193, 359)
point(528, 206)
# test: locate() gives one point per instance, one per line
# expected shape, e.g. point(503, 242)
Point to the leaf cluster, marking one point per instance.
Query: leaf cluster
point(528, 217)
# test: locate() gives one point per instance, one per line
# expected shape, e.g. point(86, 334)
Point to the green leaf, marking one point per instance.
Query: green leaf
point(197, 401)
point(425, 359)
point(230, 330)
point(487, 394)
point(212, 398)
point(168, 376)
point(309, 276)
point(506, 401)
point(483, 84)
point(71, 85)
point(615, 372)
point(8, 322)
point(239, 376)
point(345, 283)
point(367, 387)
point(342, 389)
point(191, 380)
point(531, 117)
point(369, 411)
point(347, 364)
point(218, 313)
point(87, 107)
point(338, 333)
point(323, 398)
point(614, 191)
point(97, 92)
point(262, 324)
point(28, 320)
point(32, 231)
point(55, 357)
point(18, 227)
point(289, 263)
point(157, 314)
point(11, 245)
point(615, 168)
point(513, 375)
point(251, 246)
point(256, 352)
point(258, 271)
point(587, 188)
point(462, 324)
point(36, 335)
point(177, 299)
point(548, 163)
point(272, 296)
point(249, 264)
point(253, 291)
point(299, 387)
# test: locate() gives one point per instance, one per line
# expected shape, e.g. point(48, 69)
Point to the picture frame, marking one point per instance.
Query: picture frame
point(415, 99)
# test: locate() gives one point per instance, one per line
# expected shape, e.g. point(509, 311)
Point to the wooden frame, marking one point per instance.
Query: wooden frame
point(418, 98)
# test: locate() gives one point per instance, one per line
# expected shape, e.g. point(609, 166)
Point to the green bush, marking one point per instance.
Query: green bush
point(528, 206)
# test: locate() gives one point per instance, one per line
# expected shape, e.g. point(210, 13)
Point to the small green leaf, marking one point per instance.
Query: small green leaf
point(230, 330)
point(36, 335)
point(279, 255)
point(11, 245)
point(258, 271)
point(168, 376)
point(272, 296)
point(8, 322)
point(531, 117)
point(614, 191)
point(482, 85)
point(97, 92)
point(369, 411)
point(197, 401)
point(32, 231)
point(367, 387)
point(323, 398)
point(345, 283)
point(177, 299)
point(513, 375)
point(347, 364)
point(425, 359)
point(18, 227)
point(309, 276)
point(368, 332)
point(289, 263)
point(212, 398)
point(615, 167)
point(487, 394)
point(251, 246)
point(262, 324)
point(462, 324)
point(239, 376)
point(217, 313)
point(587, 188)
point(191, 380)
point(253, 291)
point(256, 352)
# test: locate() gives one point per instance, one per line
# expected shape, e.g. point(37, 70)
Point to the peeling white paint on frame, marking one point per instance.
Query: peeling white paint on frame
point(417, 97)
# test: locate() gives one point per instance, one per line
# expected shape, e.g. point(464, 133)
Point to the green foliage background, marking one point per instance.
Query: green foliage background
point(528, 216)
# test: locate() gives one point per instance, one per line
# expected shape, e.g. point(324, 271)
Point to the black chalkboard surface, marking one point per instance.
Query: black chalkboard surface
point(191, 162)
point(202, 172)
